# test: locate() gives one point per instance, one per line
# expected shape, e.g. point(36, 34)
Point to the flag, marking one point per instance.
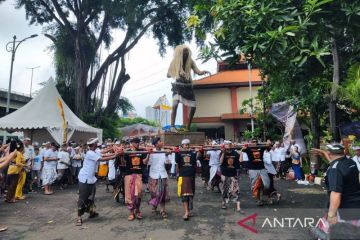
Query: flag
point(62, 114)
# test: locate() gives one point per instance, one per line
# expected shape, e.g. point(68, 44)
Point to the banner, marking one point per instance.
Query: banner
point(286, 114)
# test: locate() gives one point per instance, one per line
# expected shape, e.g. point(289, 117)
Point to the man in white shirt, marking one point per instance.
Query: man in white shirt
point(283, 163)
point(63, 166)
point(29, 156)
point(273, 194)
point(356, 158)
point(275, 157)
point(87, 180)
point(76, 163)
point(158, 184)
point(36, 168)
point(111, 170)
point(215, 174)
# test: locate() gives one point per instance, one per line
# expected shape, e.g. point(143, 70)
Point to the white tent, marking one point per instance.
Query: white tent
point(41, 119)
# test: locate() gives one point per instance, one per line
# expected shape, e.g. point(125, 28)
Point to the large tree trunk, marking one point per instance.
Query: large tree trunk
point(315, 128)
point(80, 78)
point(116, 92)
point(332, 103)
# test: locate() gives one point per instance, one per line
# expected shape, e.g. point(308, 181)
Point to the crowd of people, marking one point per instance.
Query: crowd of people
point(128, 166)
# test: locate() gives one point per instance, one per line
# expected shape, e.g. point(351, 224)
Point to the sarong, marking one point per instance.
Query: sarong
point(183, 92)
point(186, 189)
point(48, 176)
point(158, 190)
point(86, 202)
point(103, 170)
point(231, 190)
point(215, 176)
point(253, 175)
point(133, 189)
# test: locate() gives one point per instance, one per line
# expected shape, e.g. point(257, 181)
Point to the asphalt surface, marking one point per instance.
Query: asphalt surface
point(53, 217)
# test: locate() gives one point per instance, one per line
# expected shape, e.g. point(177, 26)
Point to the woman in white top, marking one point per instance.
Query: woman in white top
point(158, 184)
point(49, 170)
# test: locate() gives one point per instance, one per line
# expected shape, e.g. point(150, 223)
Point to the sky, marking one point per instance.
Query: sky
point(144, 64)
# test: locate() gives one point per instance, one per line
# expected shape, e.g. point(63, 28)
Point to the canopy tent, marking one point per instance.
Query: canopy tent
point(47, 116)
point(138, 130)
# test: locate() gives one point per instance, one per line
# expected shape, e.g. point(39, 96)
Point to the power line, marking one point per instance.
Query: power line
point(147, 76)
point(150, 84)
point(142, 94)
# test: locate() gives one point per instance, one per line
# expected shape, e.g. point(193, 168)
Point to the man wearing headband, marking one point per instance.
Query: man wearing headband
point(87, 181)
point(158, 183)
point(214, 163)
point(186, 162)
point(230, 164)
point(258, 174)
point(342, 182)
point(135, 163)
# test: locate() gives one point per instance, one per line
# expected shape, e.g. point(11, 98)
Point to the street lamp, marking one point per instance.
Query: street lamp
point(251, 97)
point(12, 47)
point(31, 80)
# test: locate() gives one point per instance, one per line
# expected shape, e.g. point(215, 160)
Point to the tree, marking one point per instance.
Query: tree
point(296, 44)
point(124, 105)
point(79, 28)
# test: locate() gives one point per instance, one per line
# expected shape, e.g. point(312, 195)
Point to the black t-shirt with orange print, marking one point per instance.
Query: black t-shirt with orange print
point(186, 163)
point(230, 164)
point(134, 163)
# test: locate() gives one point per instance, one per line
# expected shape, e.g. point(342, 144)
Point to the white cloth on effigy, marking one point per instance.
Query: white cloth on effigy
point(253, 175)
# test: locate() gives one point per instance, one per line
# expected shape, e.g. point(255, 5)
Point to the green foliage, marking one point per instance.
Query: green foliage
point(124, 105)
point(248, 135)
point(108, 123)
point(350, 91)
point(123, 122)
point(291, 42)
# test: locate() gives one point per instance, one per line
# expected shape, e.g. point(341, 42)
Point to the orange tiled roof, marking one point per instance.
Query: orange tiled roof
point(229, 77)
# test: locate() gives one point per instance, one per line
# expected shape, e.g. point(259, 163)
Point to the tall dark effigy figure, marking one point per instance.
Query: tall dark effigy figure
point(180, 69)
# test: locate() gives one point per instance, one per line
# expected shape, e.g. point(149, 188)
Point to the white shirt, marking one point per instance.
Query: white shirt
point(282, 153)
point(77, 158)
point(112, 171)
point(245, 157)
point(157, 163)
point(273, 156)
point(50, 154)
point(63, 157)
point(29, 154)
point(356, 159)
point(268, 163)
point(277, 155)
point(87, 172)
point(214, 157)
point(42, 153)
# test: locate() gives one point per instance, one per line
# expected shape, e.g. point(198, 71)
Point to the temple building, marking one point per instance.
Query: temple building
point(219, 98)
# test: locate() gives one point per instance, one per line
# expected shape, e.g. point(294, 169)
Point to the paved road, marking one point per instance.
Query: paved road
point(53, 217)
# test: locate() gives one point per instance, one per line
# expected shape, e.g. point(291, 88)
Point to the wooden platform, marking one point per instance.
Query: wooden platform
point(174, 139)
